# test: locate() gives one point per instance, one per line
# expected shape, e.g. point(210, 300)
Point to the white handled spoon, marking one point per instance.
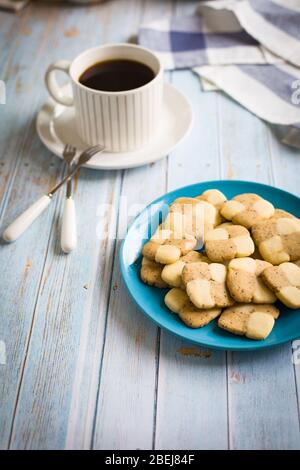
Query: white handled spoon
point(20, 225)
point(68, 237)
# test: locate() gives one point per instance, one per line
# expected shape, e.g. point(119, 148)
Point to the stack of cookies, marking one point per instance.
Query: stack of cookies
point(250, 258)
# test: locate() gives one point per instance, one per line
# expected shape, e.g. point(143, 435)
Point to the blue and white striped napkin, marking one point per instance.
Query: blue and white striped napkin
point(248, 48)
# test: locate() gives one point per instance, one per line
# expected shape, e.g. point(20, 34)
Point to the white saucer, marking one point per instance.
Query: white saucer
point(56, 127)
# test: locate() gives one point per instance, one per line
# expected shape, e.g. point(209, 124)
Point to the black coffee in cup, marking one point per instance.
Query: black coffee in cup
point(116, 75)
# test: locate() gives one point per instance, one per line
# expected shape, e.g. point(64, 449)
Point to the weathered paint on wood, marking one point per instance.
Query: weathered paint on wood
point(253, 410)
point(127, 404)
point(41, 430)
point(84, 367)
point(190, 378)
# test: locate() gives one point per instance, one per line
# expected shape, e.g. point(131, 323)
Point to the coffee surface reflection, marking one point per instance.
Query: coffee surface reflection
point(116, 75)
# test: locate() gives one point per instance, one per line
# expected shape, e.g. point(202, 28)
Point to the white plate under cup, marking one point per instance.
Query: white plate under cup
point(56, 127)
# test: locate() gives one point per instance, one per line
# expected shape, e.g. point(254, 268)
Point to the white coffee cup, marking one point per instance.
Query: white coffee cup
point(121, 121)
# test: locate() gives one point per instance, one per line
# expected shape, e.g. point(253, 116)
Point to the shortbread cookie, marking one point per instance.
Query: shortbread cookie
point(200, 216)
point(171, 273)
point(244, 283)
point(184, 218)
point(247, 209)
point(284, 281)
point(165, 249)
point(278, 238)
point(228, 241)
point(151, 273)
point(178, 302)
point(216, 198)
point(185, 225)
point(205, 285)
point(253, 321)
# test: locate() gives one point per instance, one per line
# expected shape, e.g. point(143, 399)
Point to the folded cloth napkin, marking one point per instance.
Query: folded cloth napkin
point(14, 5)
point(248, 48)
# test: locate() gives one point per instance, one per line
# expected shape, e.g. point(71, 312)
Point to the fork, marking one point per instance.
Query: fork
point(68, 238)
point(18, 227)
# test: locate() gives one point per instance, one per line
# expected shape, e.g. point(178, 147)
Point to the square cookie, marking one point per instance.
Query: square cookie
point(228, 241)
point(216, 198)
point(205, 284)
point(278, 238)
point(178, 302)
point(171, 273)
point(247, 210)
point(151, 273)
point(164, 248)
point(244, 282)
point(284, 281)
point(253, 321)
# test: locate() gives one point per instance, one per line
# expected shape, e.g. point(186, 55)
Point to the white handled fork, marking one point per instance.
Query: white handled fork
point(18, 227)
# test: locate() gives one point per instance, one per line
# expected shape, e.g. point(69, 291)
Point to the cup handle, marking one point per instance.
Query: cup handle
point(54, 89)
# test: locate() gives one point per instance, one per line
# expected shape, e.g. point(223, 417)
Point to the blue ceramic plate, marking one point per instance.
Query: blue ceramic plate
point(151, 300)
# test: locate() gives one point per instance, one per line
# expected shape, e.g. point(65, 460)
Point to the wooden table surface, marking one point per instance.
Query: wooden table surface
point(84, 368)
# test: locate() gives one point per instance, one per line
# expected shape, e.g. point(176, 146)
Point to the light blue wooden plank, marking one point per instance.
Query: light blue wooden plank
point(198, 157)
point(70, 314)
point(262, 401)
point(30, 171)
point(23, 72)
point(22, 263)
point(8, 23)
point(22, 267)
point(191, 398)
point(286, 171)
point(285, 163)
point(126, 405)
point(192, 392)
point(74, 290)
point(262, 396)
point(242, 140)
point(296, 363)
point(126, 398)
point(16, 117)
